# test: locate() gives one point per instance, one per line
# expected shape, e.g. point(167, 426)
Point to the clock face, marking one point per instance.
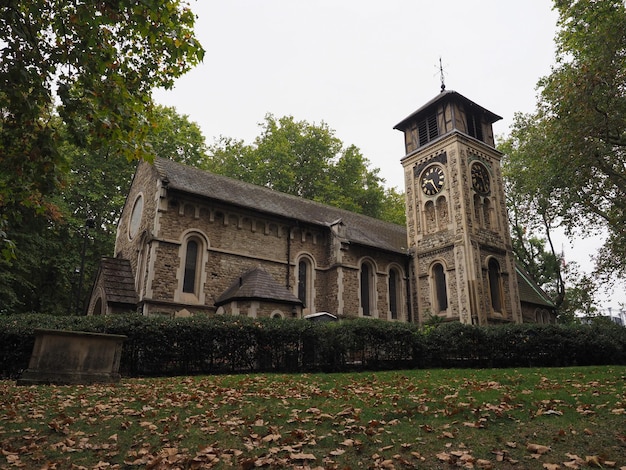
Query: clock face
point(432, 180)
point(480, 178)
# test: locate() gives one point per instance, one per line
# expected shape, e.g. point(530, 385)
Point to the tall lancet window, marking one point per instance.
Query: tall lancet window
point(495, 285)
point(191, 267)
point(440, 288)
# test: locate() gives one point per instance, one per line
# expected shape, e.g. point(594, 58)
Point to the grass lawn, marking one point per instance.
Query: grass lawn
point(514, 418)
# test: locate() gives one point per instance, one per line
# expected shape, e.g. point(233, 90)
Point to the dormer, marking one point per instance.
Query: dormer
point(446, 113)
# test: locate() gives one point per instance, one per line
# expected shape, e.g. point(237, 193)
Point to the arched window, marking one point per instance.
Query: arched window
point(487, 213)
point(367, 289)
point(477, 204)
point(395, 299)
point(191, 272)
point(495, 285)
point(98, 310)
point(440, 288)
point(431, 217)
point(191, 267)
point(305, 283)
point(442, 212)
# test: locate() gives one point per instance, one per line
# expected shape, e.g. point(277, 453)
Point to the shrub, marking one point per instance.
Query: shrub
point(201, 344)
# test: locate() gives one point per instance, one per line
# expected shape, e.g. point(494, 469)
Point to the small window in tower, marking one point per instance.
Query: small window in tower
point(428, 129)
point(423, 133)
point(474, 126)
point(433, 131)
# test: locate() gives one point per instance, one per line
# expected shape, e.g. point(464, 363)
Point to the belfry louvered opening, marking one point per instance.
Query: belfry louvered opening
point(474, 126)
point(427, 129)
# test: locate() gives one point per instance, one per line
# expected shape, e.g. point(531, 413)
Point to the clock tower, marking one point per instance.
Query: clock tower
point(457, 226)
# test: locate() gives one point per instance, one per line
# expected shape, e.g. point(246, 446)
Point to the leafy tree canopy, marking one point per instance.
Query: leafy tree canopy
point(45, 274)
point(567, 161)
point(309, 161)
point(93, 63)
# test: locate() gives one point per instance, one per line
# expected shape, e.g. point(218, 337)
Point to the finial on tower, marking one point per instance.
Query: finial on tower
point(441, 75)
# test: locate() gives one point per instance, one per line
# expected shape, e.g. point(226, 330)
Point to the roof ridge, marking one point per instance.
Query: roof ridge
point(300, 199)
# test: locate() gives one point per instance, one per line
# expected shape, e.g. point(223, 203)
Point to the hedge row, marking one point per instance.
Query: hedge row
point(202, 345)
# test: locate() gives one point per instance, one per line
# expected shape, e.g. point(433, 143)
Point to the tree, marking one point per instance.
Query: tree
point(532, 208)
point(45, 275)
point(582, 108)
point(174, 136)
point(307, 160)
point(580, 296)
point(567, 161)
point(99, 62)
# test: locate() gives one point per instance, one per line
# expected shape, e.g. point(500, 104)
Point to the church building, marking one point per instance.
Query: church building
point(192, 242)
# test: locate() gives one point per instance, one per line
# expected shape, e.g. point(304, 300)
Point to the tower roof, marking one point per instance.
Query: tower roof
point(443, 97)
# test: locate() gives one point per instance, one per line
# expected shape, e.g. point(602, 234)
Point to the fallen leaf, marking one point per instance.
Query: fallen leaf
point(484, 464)
point(538, 449)
point(593, 461)
point(571, 464)
point(302, 456)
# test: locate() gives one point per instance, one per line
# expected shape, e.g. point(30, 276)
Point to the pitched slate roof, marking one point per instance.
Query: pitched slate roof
point(447, 95)
point(360, 229)
point(118, 281)
point(257, 284)
point(530, 292)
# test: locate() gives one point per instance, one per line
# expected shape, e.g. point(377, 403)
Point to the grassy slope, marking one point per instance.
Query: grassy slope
point(523, 418)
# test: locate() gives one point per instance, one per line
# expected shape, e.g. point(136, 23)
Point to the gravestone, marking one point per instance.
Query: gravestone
point(73, 357)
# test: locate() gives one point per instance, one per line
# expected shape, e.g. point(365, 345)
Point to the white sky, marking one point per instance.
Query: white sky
point(363, 66)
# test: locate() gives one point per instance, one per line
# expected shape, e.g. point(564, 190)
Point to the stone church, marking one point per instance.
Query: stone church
point(192, 242)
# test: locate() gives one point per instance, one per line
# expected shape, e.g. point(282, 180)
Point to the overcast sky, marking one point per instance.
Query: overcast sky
point(363, 66)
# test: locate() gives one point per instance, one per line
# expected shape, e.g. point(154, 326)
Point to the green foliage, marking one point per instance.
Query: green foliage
point(99, 62)
point(307, 160)
point(174, 136)
point(533, 215)
point(163, 346)
point(44, 276)
point(579, 297)
point(571, 156)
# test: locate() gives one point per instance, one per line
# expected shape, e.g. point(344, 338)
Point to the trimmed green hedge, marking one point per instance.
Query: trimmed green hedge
point(202, 345)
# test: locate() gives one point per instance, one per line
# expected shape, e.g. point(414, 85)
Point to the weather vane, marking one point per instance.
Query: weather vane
point(441, 76)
